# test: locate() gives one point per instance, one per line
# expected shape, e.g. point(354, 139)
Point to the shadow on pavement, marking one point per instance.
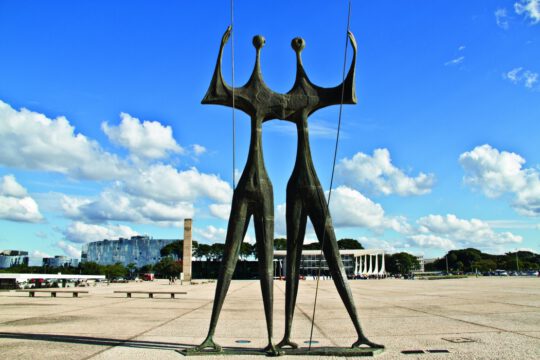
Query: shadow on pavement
point(86, 340)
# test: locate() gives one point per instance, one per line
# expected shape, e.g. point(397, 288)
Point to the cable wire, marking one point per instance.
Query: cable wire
point(332, 176)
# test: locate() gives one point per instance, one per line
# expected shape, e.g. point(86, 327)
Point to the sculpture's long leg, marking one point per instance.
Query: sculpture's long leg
point(296, 229)
point(264, 234)
point(322, 223)
point(236, 230)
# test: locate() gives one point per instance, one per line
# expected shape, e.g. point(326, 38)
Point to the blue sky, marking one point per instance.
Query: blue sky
point(102, 133)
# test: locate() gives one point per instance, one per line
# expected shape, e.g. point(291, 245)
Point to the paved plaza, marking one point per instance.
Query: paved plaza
point(475, 318)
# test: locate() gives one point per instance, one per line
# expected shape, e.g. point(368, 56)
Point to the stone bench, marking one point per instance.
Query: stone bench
point(53, 292)
point(151, 293)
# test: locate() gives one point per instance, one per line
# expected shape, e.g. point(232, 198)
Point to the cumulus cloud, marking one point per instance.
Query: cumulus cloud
point(221, 211)
point(450, 232)
point(15, 204)
point(163, 182)
point(115, 205)
point(69, 249)
point(501, 18)
point(147, 139)
point(530, 9)
point(80, 232)
point(377, 174)
point(211, 234)
point(30, 140)
point(497, 172)
point(350, 208)
point(520, 76)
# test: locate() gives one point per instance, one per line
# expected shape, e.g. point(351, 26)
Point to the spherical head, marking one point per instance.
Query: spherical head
point(298, 44)
point(258, 41)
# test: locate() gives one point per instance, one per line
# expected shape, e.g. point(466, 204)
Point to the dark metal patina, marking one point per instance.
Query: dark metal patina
point(305, 197)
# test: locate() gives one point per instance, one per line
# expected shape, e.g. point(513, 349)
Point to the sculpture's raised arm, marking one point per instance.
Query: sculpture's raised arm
point(219, 92)
point(332, 96)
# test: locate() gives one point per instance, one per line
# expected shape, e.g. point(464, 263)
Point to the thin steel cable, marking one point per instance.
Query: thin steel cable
point(233, 107)
point(333, 170)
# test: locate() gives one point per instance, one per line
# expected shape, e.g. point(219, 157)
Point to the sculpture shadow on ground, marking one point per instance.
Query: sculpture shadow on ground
point(99, 341)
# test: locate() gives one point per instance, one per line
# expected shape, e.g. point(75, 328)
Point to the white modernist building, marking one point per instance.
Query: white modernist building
point(368, 262)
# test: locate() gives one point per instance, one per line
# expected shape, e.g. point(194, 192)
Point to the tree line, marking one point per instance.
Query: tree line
point(471, 260)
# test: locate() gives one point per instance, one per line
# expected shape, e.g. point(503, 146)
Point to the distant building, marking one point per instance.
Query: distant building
point(60, 261)
point(356, 262)
point(139, 250)
point(9, 258)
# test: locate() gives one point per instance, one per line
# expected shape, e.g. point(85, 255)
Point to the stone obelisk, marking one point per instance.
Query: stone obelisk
point(187, 251)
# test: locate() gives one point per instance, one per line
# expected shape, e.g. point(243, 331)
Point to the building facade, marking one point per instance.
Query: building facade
point(139, 250)
point(60, 261)
point(356, 262)
point(9, 258)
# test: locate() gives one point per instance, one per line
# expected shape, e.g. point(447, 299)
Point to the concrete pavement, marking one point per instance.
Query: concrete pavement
point(475, 318)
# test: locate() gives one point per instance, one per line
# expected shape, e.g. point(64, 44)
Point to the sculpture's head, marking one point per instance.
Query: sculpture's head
point(298, 44)
point(258, 41)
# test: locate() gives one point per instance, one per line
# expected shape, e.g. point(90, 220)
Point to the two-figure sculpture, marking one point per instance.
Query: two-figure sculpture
point(253, 195)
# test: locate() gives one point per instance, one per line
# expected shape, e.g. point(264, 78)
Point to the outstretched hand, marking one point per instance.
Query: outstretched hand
point(226, 35)
point(352, 39)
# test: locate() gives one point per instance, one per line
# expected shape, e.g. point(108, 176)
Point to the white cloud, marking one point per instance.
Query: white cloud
point(147, 139)
point(432, 241)
point(450, 232)
point(79, 232)
point(115, 205)
point(520, 76)
point(497, 172)
point(221, 211)
point(530, 9)
point(212, 234)
point(377, 174)
point(15, 204)
point(455, 61)
point(198, 149)
point(165, 183)
point(349, 208)
point(461, 48)
point(501, 18)
point(69, 249)
point(30, 140)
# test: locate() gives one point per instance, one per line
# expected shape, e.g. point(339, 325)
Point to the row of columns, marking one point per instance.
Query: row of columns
point(366, 265)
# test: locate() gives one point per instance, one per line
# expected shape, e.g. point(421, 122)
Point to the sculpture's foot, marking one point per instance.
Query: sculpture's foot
point(272, 350)
point(208, 345)
point(363, 341)
point(287, 343)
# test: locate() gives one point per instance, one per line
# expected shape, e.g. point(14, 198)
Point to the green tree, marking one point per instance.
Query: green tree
point(216, 251)
point(353, 244)
point(401, 263)
point(175, 249)
point(202, 250)
point(168, 267)
point(115, 271)
point(280, 244)
point(246, 250)
point(312, 246)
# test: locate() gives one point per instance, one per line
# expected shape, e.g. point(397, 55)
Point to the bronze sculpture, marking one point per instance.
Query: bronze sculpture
point(254, 193)
point(305, 195)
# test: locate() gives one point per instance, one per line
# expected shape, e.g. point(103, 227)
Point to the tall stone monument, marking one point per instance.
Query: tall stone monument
point(187, 251)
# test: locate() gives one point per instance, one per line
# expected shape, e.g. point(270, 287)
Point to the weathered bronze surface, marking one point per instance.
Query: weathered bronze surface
point(254, 195)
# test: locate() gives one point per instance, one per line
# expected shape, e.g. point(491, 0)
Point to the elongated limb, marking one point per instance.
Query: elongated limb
point(322, 223)
point(236, 230)
point(264, 234)
point(296, 230)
